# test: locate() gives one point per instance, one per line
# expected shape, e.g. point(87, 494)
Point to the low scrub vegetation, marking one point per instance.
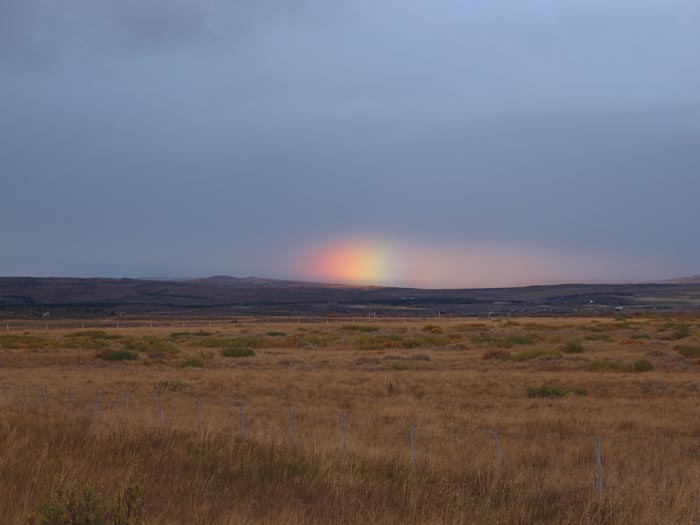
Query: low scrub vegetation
point(549, 391)
point(604, 366)
point(535, 353)
point(117, 355)
point(688, 350)
point(238, 352)
point(83, 504)
point(360, 328)
point(642, 365)
point(572, 347)
point(154, 346)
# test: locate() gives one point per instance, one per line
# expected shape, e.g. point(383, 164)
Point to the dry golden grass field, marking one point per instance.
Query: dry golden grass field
point(546, 388)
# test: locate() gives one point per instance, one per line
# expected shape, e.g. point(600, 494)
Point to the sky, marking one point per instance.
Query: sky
point(446, 143)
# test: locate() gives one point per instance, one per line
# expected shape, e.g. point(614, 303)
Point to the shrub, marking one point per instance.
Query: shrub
point(275, 333)
point(238, 352)
point(360, 328)
point(554, 391)
point(603, 366)
point(578, 391)
point(117, 355)
point(25, 342)
point(546, 391)
point(572, 347)
point(198, 333)
point(680, 333)
point(526, 355)
point(642, 365)
point(420, 357)
point(433, 329)
point(399, 366)
point(82, 504)
point(688, 350)
point(193, 362)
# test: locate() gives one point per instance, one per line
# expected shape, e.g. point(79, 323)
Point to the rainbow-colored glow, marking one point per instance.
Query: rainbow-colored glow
point(354, 261)
point(376, 261)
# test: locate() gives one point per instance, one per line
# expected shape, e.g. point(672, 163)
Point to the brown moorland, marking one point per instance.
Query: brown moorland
point(505, 414)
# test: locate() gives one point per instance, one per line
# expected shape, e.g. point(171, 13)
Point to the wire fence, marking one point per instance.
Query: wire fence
point(606, 462)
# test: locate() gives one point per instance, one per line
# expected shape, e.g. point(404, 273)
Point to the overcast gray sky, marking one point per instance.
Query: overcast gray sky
point(451, 143)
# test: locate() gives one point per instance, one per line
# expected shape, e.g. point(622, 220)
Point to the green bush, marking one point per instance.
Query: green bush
point(688, 350)
point(24, 342)
point(193, 362)
point(603, 366)
point(82, 504)
point(680, 333)
point(433, 329)
point(554, 391)
point(360, 328)
point(642, 365)
point(572, 347)
point(117, 355)
point(198, 333)
point(546, 391)
point(526, 355)
point(275, 333)
point(238, 352)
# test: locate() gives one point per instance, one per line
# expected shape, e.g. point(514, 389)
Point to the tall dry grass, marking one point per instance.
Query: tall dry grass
point(546, 469)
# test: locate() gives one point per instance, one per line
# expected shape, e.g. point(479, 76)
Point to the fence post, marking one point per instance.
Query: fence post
point(344, 424)
point(242, 424)
point(495, 448)
point(291, 427)
point(599, 466)
point(199, 417)
point(160, 411)
point(412, 432)
point(46, 400)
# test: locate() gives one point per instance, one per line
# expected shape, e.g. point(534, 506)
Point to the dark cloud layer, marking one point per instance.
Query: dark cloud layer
point(192, 137)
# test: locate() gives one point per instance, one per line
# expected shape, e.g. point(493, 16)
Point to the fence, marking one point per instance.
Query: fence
point(602, 462)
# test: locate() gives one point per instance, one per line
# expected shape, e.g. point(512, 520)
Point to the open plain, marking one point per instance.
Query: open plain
point(355, 421)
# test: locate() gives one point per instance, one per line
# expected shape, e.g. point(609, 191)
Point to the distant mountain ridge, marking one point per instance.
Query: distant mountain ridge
point(227, 296)
point(693, 279)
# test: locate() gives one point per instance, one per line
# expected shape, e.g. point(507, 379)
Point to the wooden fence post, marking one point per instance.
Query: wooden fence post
point(344, 425)
point(160, 411)
point(242, 423)
point(599, 466)
point(412, 432)
point(495, 448)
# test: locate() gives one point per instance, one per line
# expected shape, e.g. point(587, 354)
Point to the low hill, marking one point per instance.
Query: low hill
point(223, 295)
